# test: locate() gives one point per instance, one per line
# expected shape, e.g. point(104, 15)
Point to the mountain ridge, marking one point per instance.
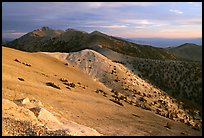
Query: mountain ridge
point(187, 51)
point(74, 40)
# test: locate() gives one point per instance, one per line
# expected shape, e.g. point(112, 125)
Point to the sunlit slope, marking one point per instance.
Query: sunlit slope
point(81, 103)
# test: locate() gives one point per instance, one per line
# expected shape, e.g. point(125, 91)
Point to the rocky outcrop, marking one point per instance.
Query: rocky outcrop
point(29, 117)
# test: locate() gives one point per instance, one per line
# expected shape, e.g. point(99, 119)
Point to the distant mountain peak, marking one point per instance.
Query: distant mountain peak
point(45, 28)
point(42, 29)
point(96, 32)
point(187, 45)
point(74, 30)
point(71, 29)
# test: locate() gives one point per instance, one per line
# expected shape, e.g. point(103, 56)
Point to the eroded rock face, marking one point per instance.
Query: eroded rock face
point(40, 120)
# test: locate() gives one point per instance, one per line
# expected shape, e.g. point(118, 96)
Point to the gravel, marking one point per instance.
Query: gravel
point(26, 128)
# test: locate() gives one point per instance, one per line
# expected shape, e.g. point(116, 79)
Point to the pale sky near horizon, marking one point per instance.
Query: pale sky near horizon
point(122, 19)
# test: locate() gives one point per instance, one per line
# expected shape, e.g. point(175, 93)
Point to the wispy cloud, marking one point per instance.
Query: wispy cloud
point(144, 23)
point(136, 21)
point(195, 3)
point(176, 11)
point(118, 4)
point(113, 26)
point(197, 21)
point(13, 34)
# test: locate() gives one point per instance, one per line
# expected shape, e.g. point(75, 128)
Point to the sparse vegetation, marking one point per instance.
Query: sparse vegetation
point(63, 80)
point(44, 74)
point(26, 64)
point(52, 85)
point(101, 91)
point(17, 60)
point(142, 99)
point(22, 63)
point(21, 79)
point(68, 88)
point(180, 79)
point(71, 84)
point(119, 62)
point(117, 97)
point(116, 101)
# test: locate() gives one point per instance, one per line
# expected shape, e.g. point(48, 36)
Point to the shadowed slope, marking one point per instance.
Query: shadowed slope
point(187, 51)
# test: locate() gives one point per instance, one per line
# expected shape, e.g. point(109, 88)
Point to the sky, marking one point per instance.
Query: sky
point(122, 19)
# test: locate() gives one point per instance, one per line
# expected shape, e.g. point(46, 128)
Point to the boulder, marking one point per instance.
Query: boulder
point(28, 103)
point(54, 124)
point(46, 117)
point(23, 101)
point(11, 110)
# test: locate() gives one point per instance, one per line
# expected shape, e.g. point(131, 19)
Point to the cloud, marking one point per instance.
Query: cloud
point(188, 22)
point(195, 21)
point(113, 26)
point(176, 11)
point(9, 31)
point(13, 34)
point(144, 23)
point(195, 3)
point(135, 21)
point(117, 4)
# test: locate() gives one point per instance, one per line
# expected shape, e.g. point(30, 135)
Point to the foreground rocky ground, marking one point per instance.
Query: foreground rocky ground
point(30, 118)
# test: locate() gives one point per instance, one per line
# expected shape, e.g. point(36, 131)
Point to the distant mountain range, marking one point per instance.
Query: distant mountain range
point(6, 40)
point(165, 42)
point(70, 40)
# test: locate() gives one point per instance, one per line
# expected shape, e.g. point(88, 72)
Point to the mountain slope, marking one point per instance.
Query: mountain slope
point(26, 74)
point(187, 51)
point(117, 77)
point(180, 79)
point(74, 40)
